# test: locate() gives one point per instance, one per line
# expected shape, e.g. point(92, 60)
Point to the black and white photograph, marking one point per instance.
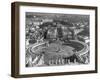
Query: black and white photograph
point(53, 39)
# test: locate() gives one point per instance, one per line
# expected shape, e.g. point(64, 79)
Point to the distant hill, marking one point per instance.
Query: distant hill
point(69, 17)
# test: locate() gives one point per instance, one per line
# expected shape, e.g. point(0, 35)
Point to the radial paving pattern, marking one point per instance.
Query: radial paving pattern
point(57, 53)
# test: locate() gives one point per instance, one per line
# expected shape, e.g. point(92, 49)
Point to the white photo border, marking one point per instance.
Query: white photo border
point(70, 68)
